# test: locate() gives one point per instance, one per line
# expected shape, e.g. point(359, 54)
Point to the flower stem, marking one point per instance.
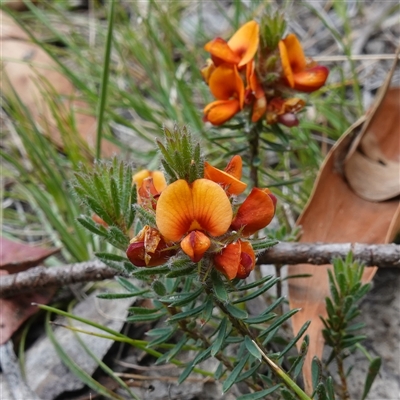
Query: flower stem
point(343, 380)
point(285, 377)
point(254, 139)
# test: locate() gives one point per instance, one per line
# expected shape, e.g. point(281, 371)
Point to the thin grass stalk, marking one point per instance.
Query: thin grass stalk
point(104, 82)
point(119, 337)
point(99, 362)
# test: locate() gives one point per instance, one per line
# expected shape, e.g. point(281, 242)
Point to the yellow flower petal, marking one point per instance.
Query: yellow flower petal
point(231, 184)
point(295, 52)
point(245, 41)
point(202, 205)
point(236, 260)
point(228, 260)
point(225, 83)
point(139, 177)
point(310, 79)
point(221, 52)
point(235, 166)
point(195, 244)
point(220, 111)
point(255, 213)
point(287, 69)
point(158, 179)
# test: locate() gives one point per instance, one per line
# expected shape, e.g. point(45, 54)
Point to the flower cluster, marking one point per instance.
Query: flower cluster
point(201, 219)
point(251, 70)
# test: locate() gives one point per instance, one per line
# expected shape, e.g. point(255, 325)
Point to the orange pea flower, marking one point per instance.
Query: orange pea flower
point(300, 75)
point(147, 248)
point(236, 260)
point(256, 212)
point(222, 75)
point(201, 206)
point(255, 93)
point(149, 186)
point(228, 88)
point(239, 50)
point(229, 179)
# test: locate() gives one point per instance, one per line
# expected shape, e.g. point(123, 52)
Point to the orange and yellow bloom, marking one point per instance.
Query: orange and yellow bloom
point(300, 74)
point(223, 73)
point(199, 219)
point(201, 207)
point(240, 48)
point(235, 76)
point(228, 88)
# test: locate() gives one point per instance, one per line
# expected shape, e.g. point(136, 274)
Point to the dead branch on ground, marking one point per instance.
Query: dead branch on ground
point(382, 256)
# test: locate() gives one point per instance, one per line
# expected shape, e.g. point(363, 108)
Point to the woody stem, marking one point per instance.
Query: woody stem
point(254, 138)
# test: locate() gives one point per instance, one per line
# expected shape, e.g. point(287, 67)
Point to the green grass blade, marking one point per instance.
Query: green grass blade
point(104, 84)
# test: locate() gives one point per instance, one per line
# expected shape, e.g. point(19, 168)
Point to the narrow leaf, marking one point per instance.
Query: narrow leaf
point(254, 284)
point(231, 380)
point(295, 339)
point(199, 358)
point(259, 319)
point(189, 297)
point(316, 372)
point(259, 395)
point(373, 371)
point(219, 341)
point(252, 348)
point(188, 313)
point(256, 293)
point(237, 312)
point(145, 317)
point(219, 287)
point(278, 322)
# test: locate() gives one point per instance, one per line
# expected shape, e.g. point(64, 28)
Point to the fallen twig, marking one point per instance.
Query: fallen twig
point(382, 255)
point(372, 255)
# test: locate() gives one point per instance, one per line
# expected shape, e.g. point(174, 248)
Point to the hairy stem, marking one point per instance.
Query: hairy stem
point(342, 376)
point(254, 139)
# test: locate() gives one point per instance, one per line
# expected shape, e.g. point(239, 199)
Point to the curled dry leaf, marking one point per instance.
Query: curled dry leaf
point(17, 256)
point(345, 207)
point(373, 169)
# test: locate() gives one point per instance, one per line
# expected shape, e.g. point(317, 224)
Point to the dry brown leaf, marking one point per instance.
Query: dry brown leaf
point(9, 29)
point(16, 257)
point(335, 213)
point(16, 5)
point(14, 311)
point(30, 80)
